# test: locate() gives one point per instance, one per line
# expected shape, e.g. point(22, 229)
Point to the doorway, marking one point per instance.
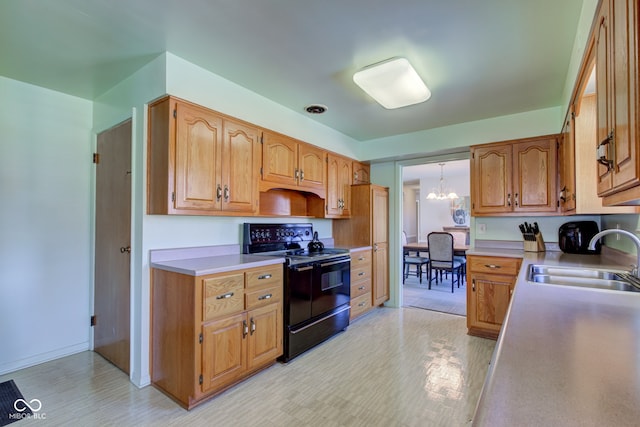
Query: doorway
point(422, 215)
point(111, 320)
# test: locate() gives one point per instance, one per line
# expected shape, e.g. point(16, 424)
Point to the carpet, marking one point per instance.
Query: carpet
point(10, 399)
point(438, 298)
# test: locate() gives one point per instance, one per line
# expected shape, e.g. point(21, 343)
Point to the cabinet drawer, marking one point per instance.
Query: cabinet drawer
point(360, 304)
point(263, 296)
point(266, 276)
point(494, 265)
point(360, 258)
point(360, 288)
point(362, 273)
point(222, 295)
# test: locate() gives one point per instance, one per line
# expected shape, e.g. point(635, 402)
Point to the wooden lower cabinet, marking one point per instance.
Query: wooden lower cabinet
point(490, 284)
point(361, 291)
point(210, 332)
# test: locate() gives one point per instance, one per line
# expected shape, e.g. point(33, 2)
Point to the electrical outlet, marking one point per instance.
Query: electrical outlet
point(482, 228)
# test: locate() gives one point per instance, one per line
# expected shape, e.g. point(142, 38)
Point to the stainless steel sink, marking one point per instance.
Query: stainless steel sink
point(584, 277)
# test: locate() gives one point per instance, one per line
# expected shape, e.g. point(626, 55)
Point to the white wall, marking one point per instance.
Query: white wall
point(410, 197)
point(45, 239)
point(435, 214)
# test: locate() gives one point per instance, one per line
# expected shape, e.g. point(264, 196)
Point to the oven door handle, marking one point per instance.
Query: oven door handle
point(305, 268)
point(342, 261)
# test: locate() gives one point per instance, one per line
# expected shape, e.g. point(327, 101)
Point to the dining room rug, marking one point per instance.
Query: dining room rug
point(438, 298)
point(9, 395)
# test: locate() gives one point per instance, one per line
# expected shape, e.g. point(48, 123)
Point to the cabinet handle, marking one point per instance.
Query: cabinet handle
point(473, 285)
point(264, 276)
point(516, 199)
point(362, 304)
point(226, 193)
point(301, 175)
point(253, 326)
point(509, 199)
point(297, 174)
point(263, 297)
point(361, 288)
point(245, 329)
point(375, 247)
point(225, 296)
point(562, 196)
point(362, 273)
point(218, 192)
point(361, 258)
point(603, 149)
point(492, 266)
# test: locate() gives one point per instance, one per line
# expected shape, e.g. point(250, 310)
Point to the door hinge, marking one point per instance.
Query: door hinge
point(92, 321)
point(200, 339)
point(175, 113)
point(200, 379)
point(96, 158)
point(261, 172)
point(262, 138)
point(173, 196)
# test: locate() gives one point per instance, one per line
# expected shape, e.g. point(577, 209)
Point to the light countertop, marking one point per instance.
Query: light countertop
point(566, 356)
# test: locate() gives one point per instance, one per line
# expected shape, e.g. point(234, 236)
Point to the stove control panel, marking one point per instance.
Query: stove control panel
point(256, 234)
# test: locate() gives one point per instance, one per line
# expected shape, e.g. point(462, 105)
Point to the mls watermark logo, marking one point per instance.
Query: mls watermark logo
point(30, 409)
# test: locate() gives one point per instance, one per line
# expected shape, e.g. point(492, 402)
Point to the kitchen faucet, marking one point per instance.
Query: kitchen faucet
point(633, 237)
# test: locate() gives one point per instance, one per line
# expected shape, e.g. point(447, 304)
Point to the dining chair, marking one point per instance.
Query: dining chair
point(460, 239)
point(441, 258)
point(409, 260)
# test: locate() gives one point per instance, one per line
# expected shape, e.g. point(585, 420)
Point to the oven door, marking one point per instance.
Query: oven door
point(298, 294)
point(331, 285)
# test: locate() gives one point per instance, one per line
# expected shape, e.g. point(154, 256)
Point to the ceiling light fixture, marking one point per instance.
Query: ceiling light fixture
point(441, 194)
point(392, 83)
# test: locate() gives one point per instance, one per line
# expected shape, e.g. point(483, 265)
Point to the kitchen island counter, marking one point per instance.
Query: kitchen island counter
point(565, 355)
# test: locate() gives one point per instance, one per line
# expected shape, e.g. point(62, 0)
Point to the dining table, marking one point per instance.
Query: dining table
point(459, 250)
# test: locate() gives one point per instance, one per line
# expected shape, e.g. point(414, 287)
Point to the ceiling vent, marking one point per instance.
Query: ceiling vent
point(315, 108)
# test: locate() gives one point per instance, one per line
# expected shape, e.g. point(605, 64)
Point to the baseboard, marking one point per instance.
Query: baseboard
point(37, 359)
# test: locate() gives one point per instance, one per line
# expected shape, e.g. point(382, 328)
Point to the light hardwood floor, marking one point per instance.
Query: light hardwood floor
point(393, 367)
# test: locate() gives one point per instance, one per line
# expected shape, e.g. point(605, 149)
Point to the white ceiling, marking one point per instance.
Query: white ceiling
point(411, 175)
point(480, 59)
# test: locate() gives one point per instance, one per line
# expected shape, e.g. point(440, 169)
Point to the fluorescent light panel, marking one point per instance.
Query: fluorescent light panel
point(392, 83)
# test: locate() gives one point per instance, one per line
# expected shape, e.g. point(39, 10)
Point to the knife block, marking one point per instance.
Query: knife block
point(533, 242)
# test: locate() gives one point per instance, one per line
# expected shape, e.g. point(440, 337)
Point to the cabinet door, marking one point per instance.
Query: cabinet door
point(491, 172)
point(361, 173)
point(604, 95)
point(380, 273)
point(624, 91)
point(240, 167)
point(265, 335)
point(333, 180)
point(279, 159)
point(312, 163)
point(338, 187)
point(380, 234)
point(567, 165)
point(345, 187)
point(224, 348)
point(197, 158)
point(487, 301)
point(535, 182)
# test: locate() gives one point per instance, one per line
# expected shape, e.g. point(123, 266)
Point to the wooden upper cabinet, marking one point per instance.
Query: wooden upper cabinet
point(491, 179)
point(515, 177)
point(240, 166)
point(339, 178)
point(198, 158)
point(567, 166)
point(535, 175)
point(200, 162)
point(361, 173)
point(291, 164)
point(616, 46)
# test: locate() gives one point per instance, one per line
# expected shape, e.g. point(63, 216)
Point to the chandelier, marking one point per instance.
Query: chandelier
point(441, 194)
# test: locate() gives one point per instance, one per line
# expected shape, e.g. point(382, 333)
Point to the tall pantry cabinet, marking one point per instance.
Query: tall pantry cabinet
point(369, 226)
